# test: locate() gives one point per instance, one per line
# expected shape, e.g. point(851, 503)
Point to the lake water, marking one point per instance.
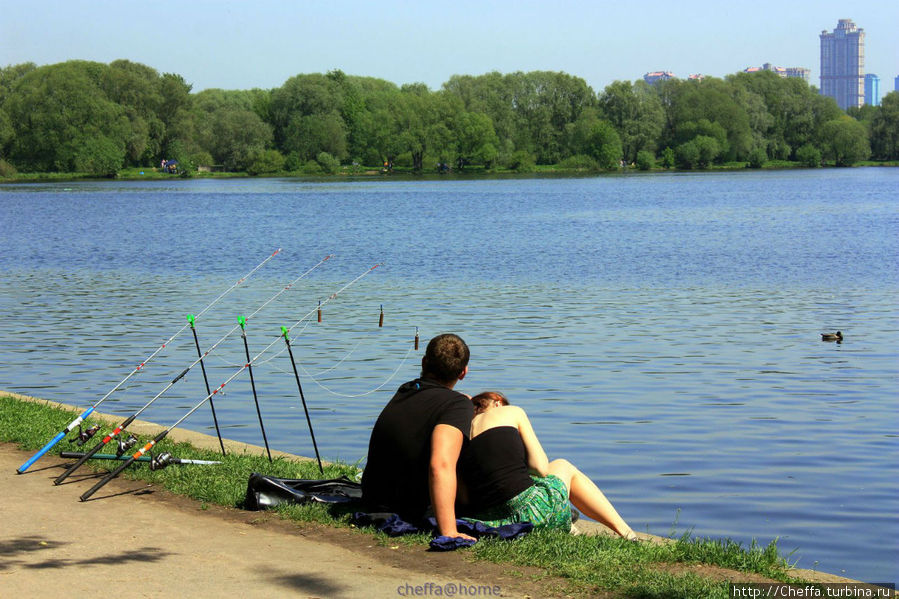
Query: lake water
point(662, 331)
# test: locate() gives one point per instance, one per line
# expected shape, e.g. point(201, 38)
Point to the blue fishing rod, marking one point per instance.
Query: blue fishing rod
point(131, 418)
point(77, 422)
point(87, 494)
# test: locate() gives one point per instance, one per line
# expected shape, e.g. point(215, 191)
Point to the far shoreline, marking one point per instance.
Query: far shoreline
point(403, 174)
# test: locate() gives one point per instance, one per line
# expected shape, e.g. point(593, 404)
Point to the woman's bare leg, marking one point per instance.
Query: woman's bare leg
point(587, 497)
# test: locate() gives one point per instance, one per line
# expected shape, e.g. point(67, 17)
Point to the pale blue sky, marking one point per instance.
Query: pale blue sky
point(261, 43)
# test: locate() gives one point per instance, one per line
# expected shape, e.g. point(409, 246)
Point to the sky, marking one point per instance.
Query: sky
point(261, 43)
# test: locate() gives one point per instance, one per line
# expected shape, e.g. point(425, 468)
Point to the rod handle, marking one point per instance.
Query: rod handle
point(87, 494)
point(59, 437)
point(81, 460)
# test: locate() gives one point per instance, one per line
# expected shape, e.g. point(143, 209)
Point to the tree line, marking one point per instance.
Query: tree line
point(81, 116)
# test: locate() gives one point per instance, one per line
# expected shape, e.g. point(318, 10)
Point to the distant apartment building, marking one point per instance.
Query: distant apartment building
point(797, 72)
point(872, 90)
point(843, 64)
point(896, 84)
point(696, 77)
point(656, 76)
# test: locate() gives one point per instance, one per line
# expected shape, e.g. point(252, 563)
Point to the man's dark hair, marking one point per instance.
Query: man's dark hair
point(445, 358)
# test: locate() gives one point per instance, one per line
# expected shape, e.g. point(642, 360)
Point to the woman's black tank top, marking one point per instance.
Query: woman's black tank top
point(494, 467)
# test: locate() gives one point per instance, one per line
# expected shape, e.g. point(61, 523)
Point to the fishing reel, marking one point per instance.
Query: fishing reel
point(125, 444)
point(85, 435)
point(162, 461)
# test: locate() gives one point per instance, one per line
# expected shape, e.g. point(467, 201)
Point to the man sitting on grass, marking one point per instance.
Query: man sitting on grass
point(416, 441)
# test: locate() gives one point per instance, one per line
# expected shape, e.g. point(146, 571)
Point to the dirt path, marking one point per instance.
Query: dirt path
point(144, 542)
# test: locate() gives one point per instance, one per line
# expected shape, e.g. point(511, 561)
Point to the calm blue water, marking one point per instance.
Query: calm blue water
point(662, 331)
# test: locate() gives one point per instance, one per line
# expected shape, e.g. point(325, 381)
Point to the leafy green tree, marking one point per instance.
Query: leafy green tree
point(529, 111)
point(757, 158)
point(7, 133)
point(267, 161)
point(329, 164)
point(691, 129)
point(422, 120)
point(668, 158)
point(885, 128)
point(239, 136)
point(521, 161)
point(97, 155)
point(645, 160)
point(475, 139)
point(55, 108)
point(687, 155)
point(636, 112)
point(604, 145)
point(310, 134)
point(10, 74)
point(580, 162)
point(301, 96)
point(809, 155)
point(709, 149)
point(845, 141)
point(710, 99)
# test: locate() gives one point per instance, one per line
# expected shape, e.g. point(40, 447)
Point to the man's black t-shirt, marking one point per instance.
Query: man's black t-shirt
point(399, 452)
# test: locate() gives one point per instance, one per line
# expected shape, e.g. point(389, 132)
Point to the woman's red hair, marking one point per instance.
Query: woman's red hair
point(482, 400)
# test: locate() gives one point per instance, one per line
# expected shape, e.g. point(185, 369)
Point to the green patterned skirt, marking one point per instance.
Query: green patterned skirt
point(543, 504)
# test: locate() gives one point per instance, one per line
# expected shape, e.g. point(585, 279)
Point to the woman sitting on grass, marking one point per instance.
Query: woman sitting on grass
point(497, 467)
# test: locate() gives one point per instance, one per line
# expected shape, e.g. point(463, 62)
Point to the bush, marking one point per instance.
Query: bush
point(269, 161)
point(522, 161)
point(98, 156)
point(6, 169)
point(687, 155)
point(579, 162)
point(312, 168)
point(293, 162)
point(372, 157)
point(809, 155)
point(203, 158)
point(709, 149)
point(667, 158)
point(403, 160)
point(757, 158)
point(329, 164)
point(645, 160)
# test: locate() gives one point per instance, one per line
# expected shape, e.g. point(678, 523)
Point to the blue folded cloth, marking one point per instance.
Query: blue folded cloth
point(394, 526)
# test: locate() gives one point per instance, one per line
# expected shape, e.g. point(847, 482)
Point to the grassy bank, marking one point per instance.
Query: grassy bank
point(152, 174)
point(687, 567)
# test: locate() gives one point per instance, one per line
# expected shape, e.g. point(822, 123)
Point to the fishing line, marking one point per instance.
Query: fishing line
point(376, 389)
point(40, 453)
point(131, 418)
point(162, 435)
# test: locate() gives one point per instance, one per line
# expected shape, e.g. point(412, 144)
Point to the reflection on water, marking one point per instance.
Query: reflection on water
point(663, 332)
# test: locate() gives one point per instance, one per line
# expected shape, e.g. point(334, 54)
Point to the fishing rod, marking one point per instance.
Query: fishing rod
point(40, 453)
point(158, 462)
point(191, 319)
point(163, 434)
point(243, 333)
point(131, 418)
point(285, 332)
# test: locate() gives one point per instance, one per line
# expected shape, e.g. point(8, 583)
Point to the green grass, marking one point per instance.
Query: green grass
point(586, 564)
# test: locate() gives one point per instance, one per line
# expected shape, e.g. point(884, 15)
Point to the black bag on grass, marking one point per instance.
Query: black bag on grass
point(264, 492)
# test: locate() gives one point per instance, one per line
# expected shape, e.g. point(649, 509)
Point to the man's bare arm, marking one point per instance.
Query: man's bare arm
point(446, 444)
